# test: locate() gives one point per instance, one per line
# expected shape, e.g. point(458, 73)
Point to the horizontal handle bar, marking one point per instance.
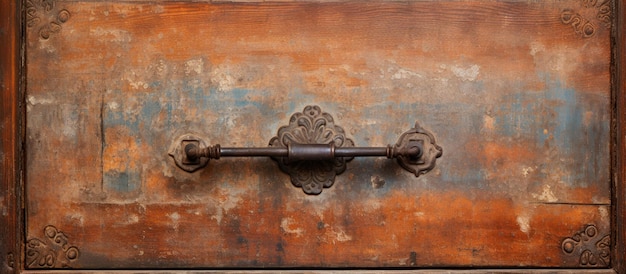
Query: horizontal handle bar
point(301, 152)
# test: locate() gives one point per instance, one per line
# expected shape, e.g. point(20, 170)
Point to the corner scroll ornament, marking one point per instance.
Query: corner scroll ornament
point(54, 251)
point(586, 20)
point(11, 260)
point(592, 249)
point(312, 126)
point(42, 16)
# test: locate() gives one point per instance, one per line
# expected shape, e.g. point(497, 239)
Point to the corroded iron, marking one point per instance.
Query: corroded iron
point(592, 248)
point(417, 137)
point(54, 251)
point(311, 126)
point(181, 158)
point(313, 150)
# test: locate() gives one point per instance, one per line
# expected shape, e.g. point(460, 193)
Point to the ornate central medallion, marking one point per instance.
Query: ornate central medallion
point(312, 126)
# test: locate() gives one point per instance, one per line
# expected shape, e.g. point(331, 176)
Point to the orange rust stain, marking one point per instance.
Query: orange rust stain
point(501, 156)
point(258, 231)
point(123, 152)
point(589, 193)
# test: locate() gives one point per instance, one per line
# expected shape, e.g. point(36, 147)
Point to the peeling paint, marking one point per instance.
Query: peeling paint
point(194, 65)
point(404, 74)
point(174, 218)
point(523, 223)
point(224, 77)
point(536, 47)
point(377, 182)
point(340, 235)
point(77, 218)
point(32, 100)
point(546, 195)
point(526, 171)
point(488, 122)
point(289, 226)
point(466, 74)
point(113, 35)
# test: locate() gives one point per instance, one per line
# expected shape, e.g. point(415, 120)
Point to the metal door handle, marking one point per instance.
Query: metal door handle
point(313, 150)
point(301, 152)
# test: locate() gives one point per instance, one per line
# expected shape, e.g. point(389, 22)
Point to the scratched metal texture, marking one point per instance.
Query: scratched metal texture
point(517, 95)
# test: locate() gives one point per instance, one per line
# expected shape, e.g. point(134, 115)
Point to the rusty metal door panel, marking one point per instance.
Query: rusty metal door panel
point(516, 93)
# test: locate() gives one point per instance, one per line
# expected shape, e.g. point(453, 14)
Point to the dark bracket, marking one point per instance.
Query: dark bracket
point(313, 150)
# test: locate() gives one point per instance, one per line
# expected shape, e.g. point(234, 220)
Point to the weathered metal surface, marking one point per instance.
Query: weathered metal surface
point(517, 94)
point(178, 153)
point(417, 138)
point(311, 126)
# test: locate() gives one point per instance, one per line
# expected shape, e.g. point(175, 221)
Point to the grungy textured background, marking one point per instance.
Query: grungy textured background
point(516, 93)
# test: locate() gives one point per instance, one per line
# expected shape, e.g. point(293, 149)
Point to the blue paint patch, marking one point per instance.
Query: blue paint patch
point(569, 117)
point(555, 119)
point(122, 181)
point(470, 175)
point(141, 123)
point(149, 110)
point(155, 84)
point(515, 116)
point(239, 97)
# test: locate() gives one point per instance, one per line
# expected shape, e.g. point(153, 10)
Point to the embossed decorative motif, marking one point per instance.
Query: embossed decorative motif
point(312, 126)
point(592, 249)
point(44, 17)
point(54, 251)
point(589, 17)
point(10, 260)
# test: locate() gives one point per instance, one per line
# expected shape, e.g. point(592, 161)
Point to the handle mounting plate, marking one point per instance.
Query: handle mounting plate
point(430, 151)
point(312, 126)
point(177, 151)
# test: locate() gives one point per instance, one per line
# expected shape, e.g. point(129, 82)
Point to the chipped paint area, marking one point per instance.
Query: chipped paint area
point(526, 171)
point(289, 226)
point(226, 200)
point(224, 77)
point(174, 218)
point(196, 66)
point(403, 74)
point(112, 35)
point(546, 195)
point(524, 225)
point(33, 101)
point(377, 182)
point(466, 73)
point(132, 79)
point(335, 235)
